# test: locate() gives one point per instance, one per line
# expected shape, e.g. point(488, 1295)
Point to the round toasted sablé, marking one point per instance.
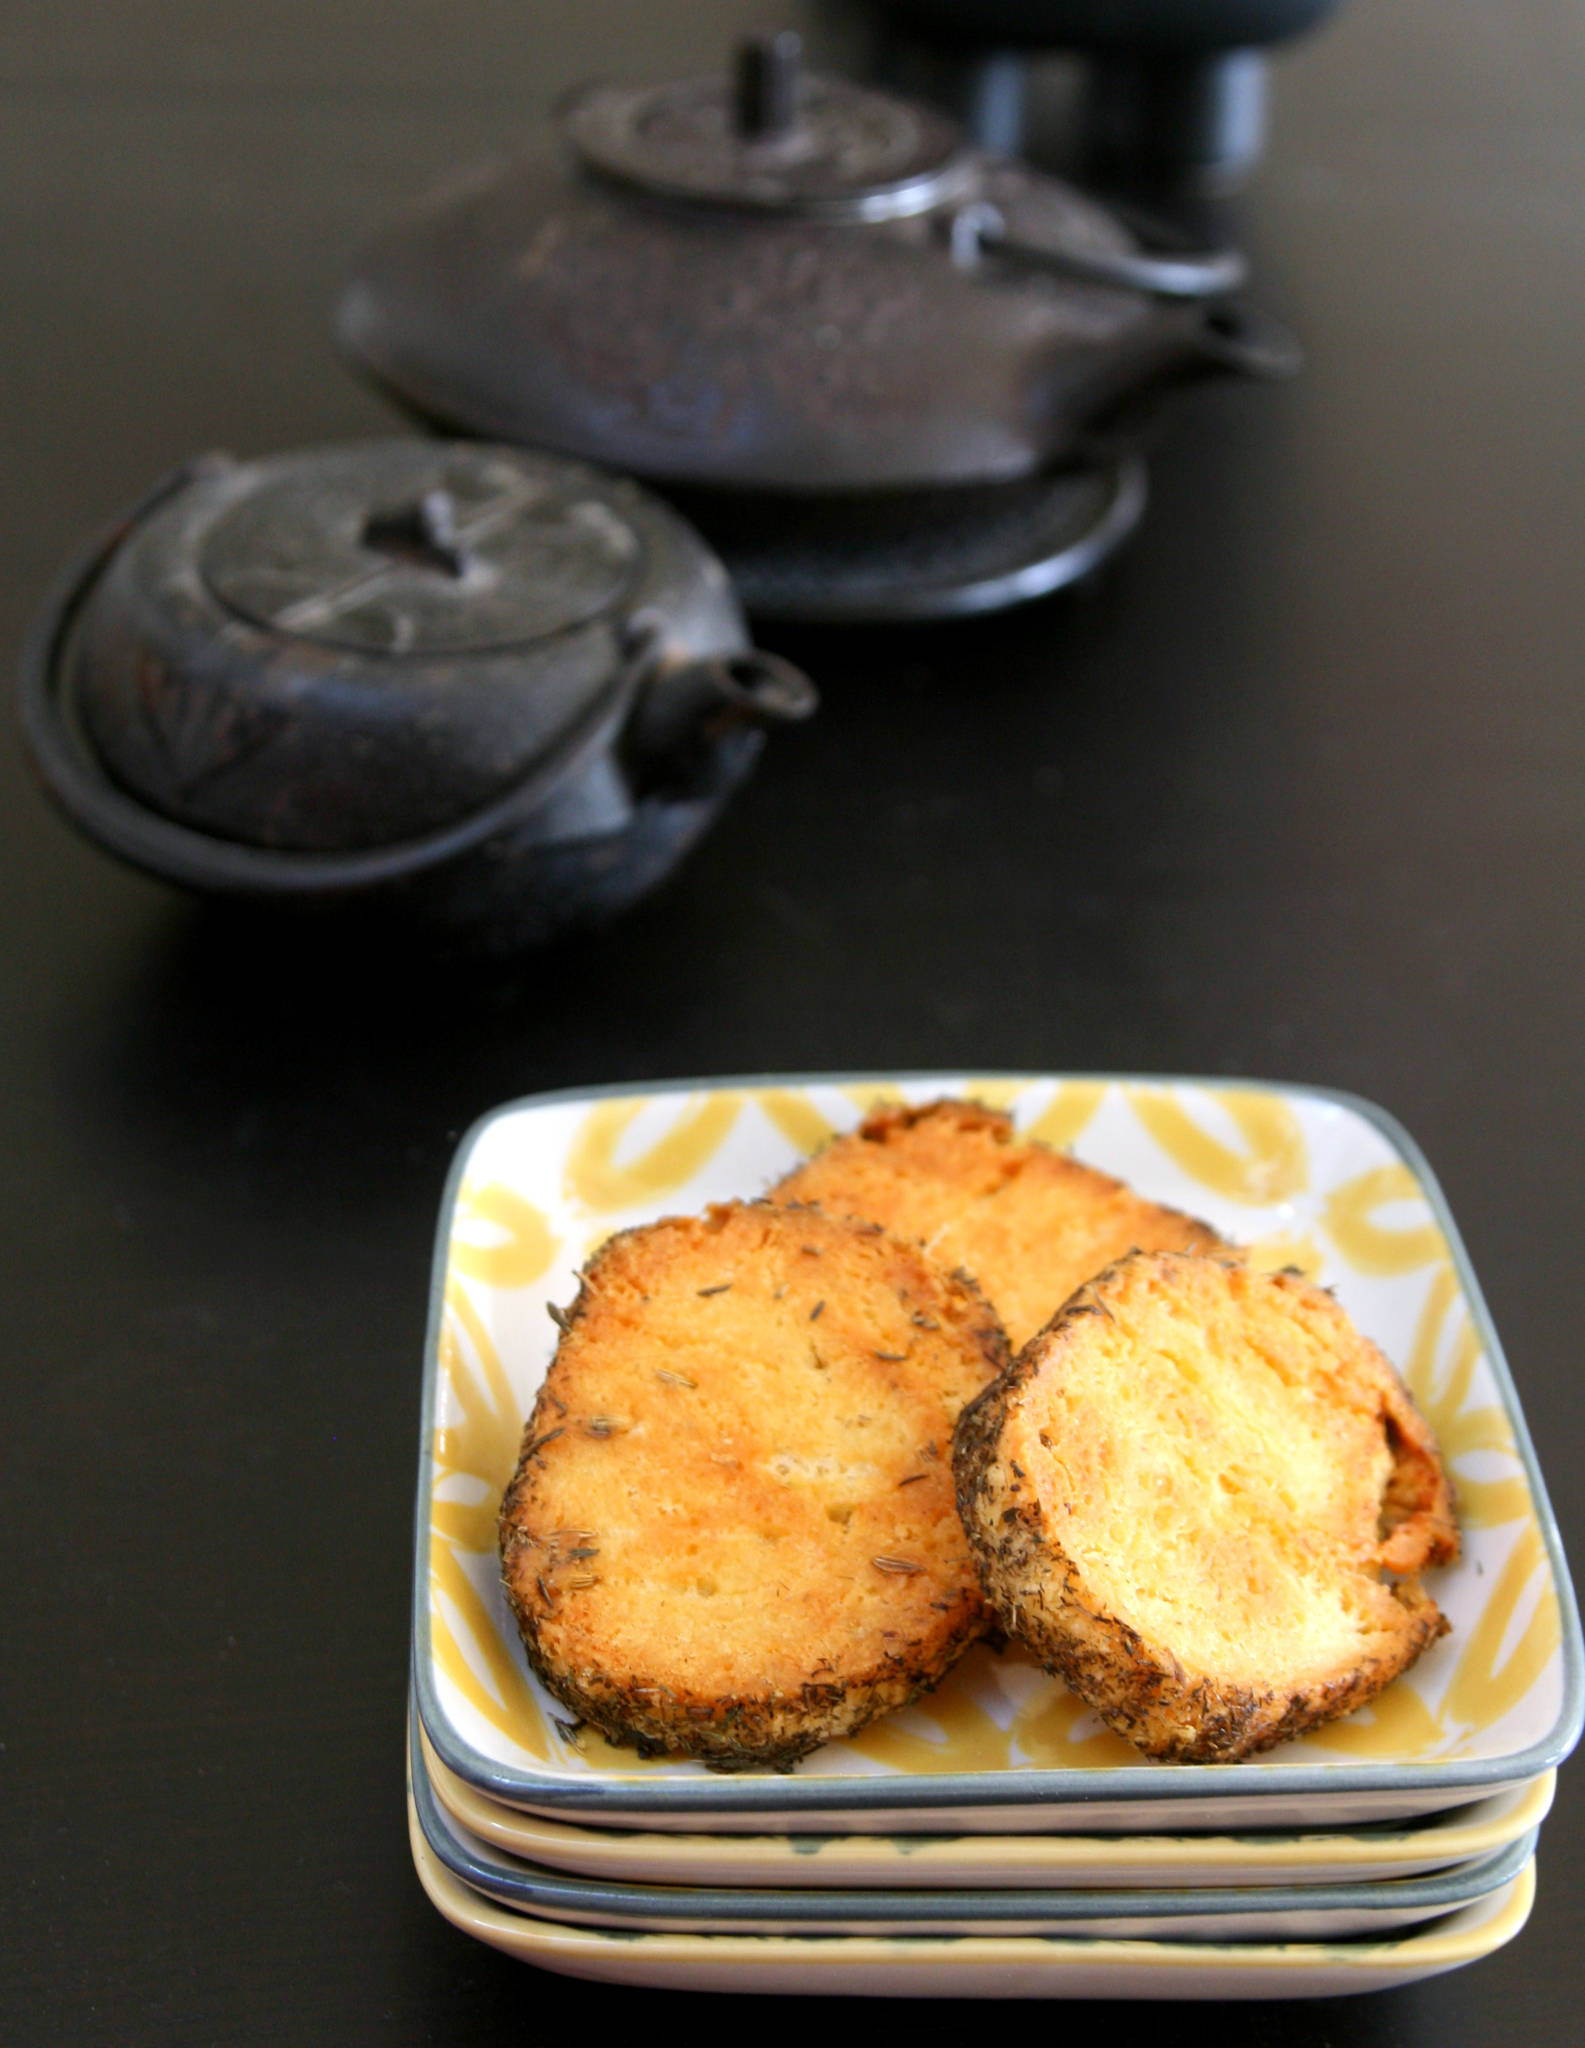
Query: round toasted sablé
point(731, 1534)
point(1204, 1499)
point(1027, 1222)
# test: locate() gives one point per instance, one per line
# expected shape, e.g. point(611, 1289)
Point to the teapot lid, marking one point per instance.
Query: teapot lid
point(771, 138)
point(409, 550)
point(348, 650)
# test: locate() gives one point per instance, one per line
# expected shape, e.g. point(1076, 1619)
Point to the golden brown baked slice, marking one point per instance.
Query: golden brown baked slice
point(1028, 1223)
point(1204, 1499)
point(732, 1534)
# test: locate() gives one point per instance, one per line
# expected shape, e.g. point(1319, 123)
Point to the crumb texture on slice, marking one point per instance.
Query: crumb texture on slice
point(1028, 1223)
point(731, 1533)
point(1204, 1499)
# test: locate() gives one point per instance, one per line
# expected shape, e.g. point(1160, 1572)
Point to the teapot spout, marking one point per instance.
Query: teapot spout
point(1238, 337)
point(1229, 338)
point(688, 707)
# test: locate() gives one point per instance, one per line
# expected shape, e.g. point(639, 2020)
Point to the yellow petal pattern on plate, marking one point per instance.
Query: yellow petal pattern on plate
point(1484, 1688)
point(1371, 1247)
point(1441, 1394)
point(593, 1175)
point(1043, 1733)
point(499, 1237)
point(796, 1117)
point(508, 1701)
point(484, 1442)
point(1274, 1165)
point(970, 1739)
point(868, 1095)
point(1463, 1432)
point(1065, 1116)
point(993, 1092)
point(1482, 1503)
point(481, 1445)
point(1396, 1723)
point(1273, 1254)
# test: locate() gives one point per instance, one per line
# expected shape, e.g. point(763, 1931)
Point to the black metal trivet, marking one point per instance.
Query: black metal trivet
point(926, 554)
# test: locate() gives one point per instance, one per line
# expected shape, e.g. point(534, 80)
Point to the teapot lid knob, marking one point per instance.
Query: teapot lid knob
point(422, 530)
point(767, 136)
point(765, 85)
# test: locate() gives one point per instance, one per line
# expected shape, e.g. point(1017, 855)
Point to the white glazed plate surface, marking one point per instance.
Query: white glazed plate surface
point(980, 1966)
point(1300, 1176)
point(988, 1862)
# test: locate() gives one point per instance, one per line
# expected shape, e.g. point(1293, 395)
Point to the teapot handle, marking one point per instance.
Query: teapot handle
point(980, 228)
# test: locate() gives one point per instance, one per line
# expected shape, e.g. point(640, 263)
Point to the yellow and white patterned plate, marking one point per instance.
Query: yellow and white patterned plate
point(1262, 1912)
point(1465, 1834)
point(980, 1966)
point(1302, 1176)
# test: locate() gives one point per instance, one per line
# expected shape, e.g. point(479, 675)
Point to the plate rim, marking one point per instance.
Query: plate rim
point(1395, 1842)
point(1423, 1949)
point(545, 1893)
point(1144, 1785)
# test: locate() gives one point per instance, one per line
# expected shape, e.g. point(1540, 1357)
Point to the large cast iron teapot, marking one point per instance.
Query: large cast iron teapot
point(772, 281)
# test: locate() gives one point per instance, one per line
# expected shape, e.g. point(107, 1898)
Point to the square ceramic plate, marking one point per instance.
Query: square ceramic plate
point(980, 1966)
point(1414, 1848)
point(1229, 1913)
point(1300, 1176)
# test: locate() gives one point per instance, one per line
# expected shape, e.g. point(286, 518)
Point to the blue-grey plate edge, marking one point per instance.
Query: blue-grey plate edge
point(531, 1888)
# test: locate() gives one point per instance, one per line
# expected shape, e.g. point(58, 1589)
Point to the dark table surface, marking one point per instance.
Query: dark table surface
point(1297, 791)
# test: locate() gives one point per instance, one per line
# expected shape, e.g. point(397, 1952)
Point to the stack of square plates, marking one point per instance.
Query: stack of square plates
point(994, 1839)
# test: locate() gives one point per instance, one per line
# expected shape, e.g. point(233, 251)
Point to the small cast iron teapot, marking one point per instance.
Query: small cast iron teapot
point(785, 283)
point(495, 688)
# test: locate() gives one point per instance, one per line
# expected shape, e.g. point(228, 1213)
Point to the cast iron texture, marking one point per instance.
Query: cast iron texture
point(487, 687)
point(747, 338)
